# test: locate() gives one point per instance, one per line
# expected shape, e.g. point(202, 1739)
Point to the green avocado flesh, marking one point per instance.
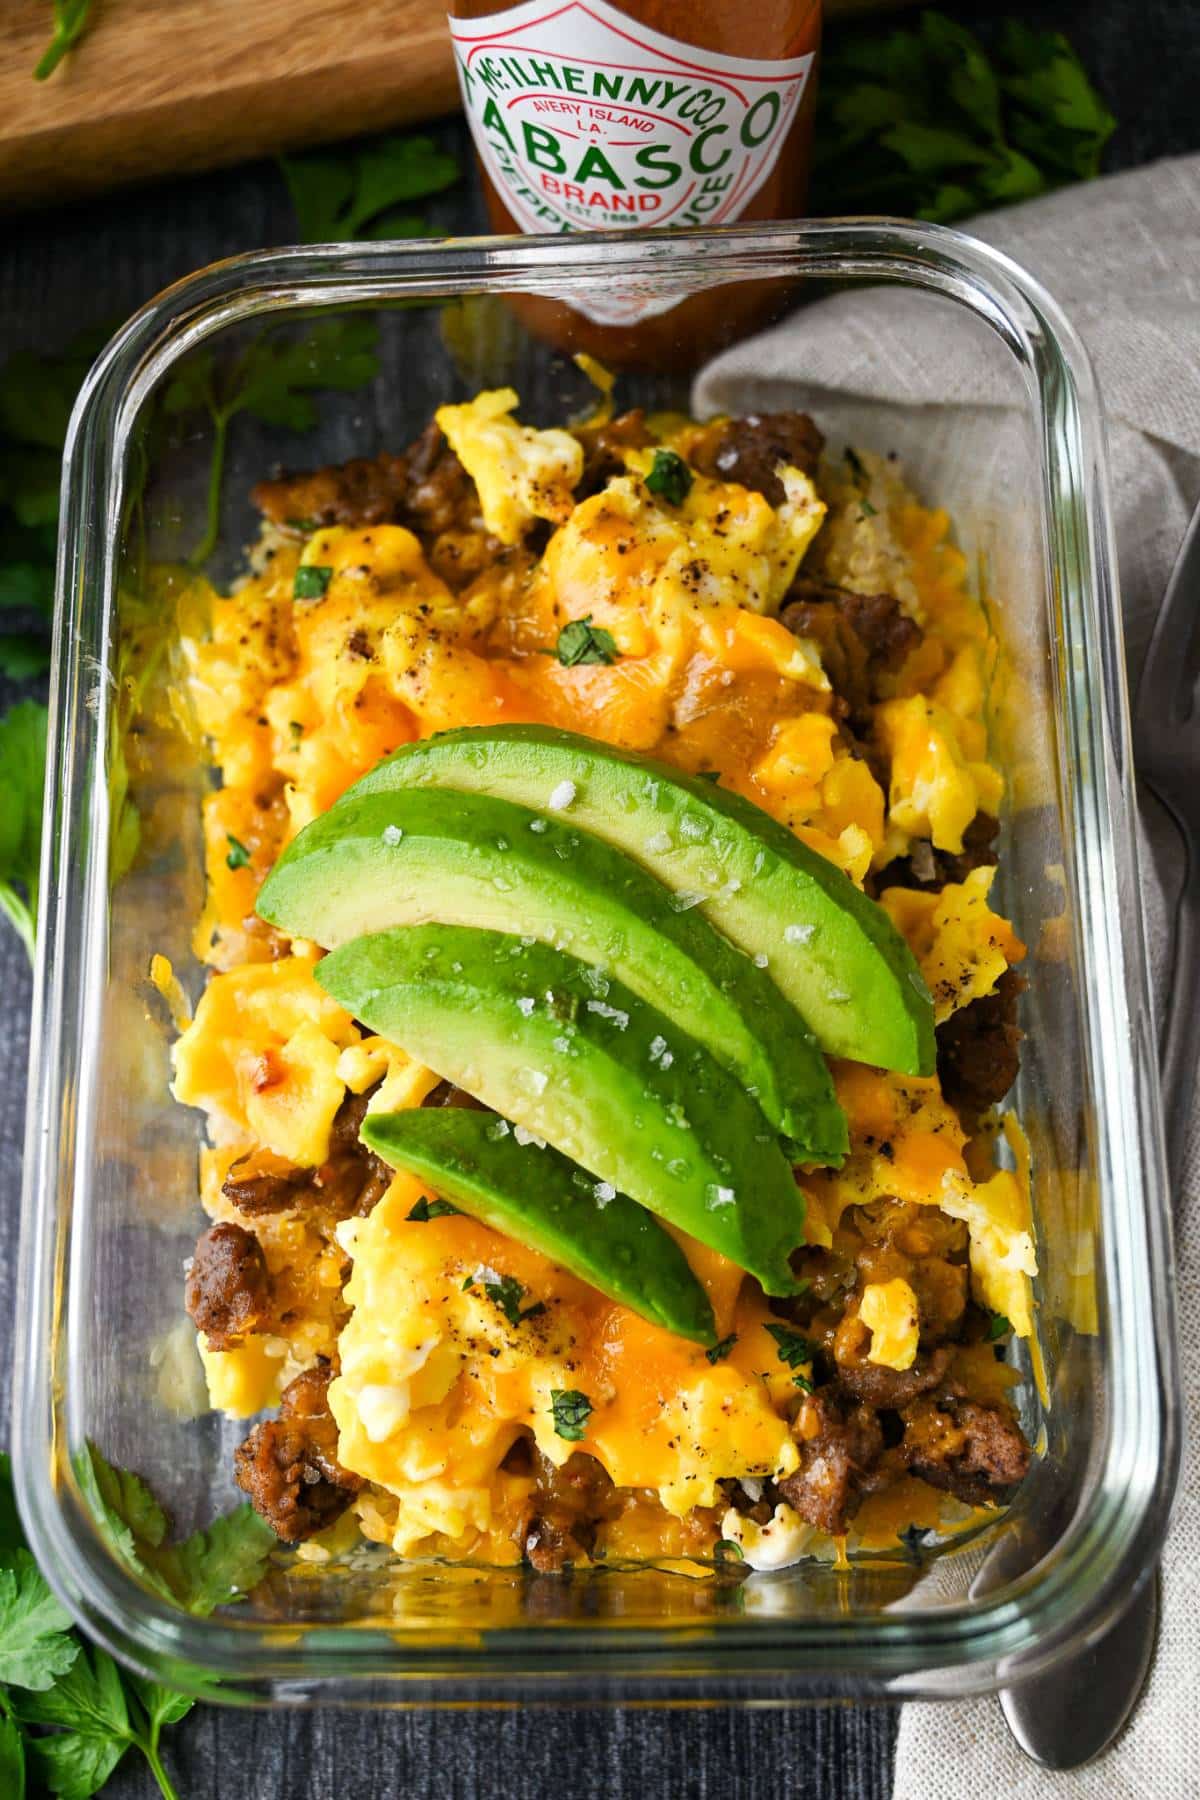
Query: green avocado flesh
point(829, 948)
point(577, 1059)
point(419, 854)
point(530, 1192)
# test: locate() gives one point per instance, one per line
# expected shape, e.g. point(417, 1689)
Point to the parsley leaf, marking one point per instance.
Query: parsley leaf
point(669, 477)
point(70, 23)
point(998, 1327)
point(90, 1709)
point(580, 641)
point(311, 580)
point(12, 1758)
point(922, 121)
point(220, 1563)
point(12, 1538)
point(571, 1411)
point(36, 1643)
point(22, 778)
point(353, 193)
point(728, 1550)
point(508, 1295)
point(720, 1351)
point(426, 1209)
point(238, 857)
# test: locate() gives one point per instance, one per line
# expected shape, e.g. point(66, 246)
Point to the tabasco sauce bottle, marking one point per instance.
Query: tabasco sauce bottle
point(610, 115)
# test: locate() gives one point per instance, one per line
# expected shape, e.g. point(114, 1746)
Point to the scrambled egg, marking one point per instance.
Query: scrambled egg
point(301, 696)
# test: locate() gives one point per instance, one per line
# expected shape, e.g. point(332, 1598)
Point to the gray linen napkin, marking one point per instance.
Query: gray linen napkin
point(1122, 256)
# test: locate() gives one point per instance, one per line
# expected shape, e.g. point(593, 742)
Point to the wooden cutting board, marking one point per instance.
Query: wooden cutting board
point(158, 86)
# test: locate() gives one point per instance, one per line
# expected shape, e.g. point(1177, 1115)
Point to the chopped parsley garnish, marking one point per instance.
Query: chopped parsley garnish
point(296, 729)
point(720, 1351)
point(426, 1209)
point(726, 1550)
point(311, 581)
point(998, 1327)
point(792, 1350)
point(571, 1411)
point(865, 509)
point(508, 1294)
point(582, 642)
point(669, 477)
point(238, 856)
point(713, 775)
point(307, 526)
point(855, 464)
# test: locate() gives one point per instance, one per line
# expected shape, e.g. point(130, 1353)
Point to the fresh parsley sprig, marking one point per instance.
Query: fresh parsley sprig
point(86, 1712)
point(356, 193)
point(921, 121)
point(70, 23)
point(273, 379)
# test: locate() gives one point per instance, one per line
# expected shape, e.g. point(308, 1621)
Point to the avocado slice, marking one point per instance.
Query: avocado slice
point(530, 1192)
point(577, 1059)
point(414, 855)
point(829, 948)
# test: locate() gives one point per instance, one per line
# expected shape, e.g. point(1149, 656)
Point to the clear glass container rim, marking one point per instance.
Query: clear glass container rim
point(974, 1645)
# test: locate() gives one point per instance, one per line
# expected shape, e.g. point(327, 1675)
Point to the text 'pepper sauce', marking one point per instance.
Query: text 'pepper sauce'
point(594, 116)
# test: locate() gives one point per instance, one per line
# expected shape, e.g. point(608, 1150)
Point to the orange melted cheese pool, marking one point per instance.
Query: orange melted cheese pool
point(300, 697)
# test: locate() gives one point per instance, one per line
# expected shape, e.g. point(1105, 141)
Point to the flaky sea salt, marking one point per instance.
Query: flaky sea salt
point(799, 934)
point(603, 1010)
point(604, 1192)
point(562, 796)
point(392, 834)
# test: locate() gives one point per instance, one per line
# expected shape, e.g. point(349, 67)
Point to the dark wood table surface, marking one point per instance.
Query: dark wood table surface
point(90, 265)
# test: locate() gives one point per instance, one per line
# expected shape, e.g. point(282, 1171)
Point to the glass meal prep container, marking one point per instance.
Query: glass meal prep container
point(111, 1208)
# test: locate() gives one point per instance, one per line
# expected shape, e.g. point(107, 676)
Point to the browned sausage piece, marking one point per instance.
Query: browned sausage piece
point(964, 1446)
point(836, 1459)
point(566, 1507)
point(930, 869)
point(362, 492)
point(228, 1290)
point(874, 1384)
point(289, 1467)
point(861, 637)
point(979, 1048)
point(749, 451)
point(603, 446)
point(265, 1191)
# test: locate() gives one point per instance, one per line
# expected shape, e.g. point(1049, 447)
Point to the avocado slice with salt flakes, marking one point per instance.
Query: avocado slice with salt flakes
point(413, 855)
point(577, 1059)
point(829, 949)
point(531, 1193)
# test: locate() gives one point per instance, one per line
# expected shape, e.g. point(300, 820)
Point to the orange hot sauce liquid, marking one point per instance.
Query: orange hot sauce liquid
point(770, 30)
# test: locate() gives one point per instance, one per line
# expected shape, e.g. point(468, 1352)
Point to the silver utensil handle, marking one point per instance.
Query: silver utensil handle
point(1181, 1025)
